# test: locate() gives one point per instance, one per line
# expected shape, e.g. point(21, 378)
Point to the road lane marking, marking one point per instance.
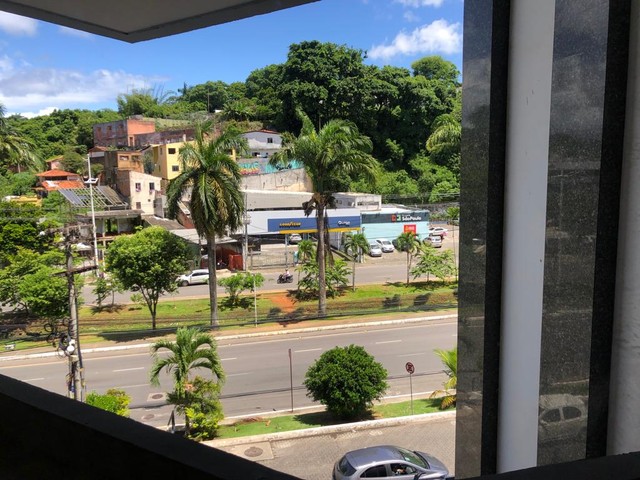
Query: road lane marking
point(33, 379)
point(227, 359)
point(388, 341)
point(133, 386)
point(412, 354)
point(308, 350)
point(238, 374)
point(128, 369)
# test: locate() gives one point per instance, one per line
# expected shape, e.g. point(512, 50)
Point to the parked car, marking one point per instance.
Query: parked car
point(196, 277)
point(439, 231)
point(434, 240)
point(295, 238)
point(385, 245)
point(562, 417)
point(375, 250)
point(387, 461)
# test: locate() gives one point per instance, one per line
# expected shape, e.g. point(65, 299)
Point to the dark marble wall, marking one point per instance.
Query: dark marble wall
point(585, 152)
point(486, 26)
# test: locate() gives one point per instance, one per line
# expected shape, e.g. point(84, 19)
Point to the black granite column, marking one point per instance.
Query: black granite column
point(585, 154)
point(486, 34)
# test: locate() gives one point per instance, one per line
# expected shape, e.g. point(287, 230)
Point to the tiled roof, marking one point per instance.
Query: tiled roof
point(56, 173)
point(51, 185)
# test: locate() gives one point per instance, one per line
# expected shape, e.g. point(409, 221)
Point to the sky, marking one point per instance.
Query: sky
point(45, 67)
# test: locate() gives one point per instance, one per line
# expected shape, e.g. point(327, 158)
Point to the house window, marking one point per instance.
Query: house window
point(172, 151)
point(269, 140)
point(138, 205)
point(109, 128)
point(138, 187)
point(175, 168)
point(136, 158)
point(152, 186)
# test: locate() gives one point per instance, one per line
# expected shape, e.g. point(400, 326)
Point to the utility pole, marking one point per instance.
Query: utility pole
point(71, 348)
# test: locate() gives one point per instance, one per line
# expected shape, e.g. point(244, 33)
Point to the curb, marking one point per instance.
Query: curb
point(242, 335)
point(345, 427)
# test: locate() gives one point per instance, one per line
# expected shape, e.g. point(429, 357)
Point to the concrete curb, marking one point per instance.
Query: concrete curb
point(345, 427)
point(115, 348)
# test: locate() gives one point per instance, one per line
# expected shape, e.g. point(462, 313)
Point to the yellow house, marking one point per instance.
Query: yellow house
point(166, 160)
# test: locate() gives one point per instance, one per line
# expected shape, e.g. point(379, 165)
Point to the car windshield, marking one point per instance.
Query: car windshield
point(345, 467)
point(412, 457)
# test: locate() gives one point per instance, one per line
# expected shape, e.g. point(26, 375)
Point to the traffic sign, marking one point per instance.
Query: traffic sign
point(410, 368)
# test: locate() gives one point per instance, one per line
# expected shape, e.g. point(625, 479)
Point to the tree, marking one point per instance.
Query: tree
point(149, 262)
point(356, 245)
point(449, 359)
point(336, 279)
point(106, 286)
point(192, 350)
point(16, 151)
point(444, 141)
point(238, 283)
point(329, 156)
point(212, 177)
point(408, 242)
point(441, 265)
point(346, 380)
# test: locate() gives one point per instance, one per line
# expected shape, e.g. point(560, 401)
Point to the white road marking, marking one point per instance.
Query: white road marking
point(238, 374)
point(412, 354)
point(388, 341)
point(133, 386)
point(227, 359)
point(33, 379)
point(308, 350)
point(128, 369)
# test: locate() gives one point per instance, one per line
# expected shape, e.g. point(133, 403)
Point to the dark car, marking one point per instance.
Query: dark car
point(388, 461)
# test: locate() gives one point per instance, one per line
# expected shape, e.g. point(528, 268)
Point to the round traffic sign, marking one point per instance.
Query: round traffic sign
point(410, 368)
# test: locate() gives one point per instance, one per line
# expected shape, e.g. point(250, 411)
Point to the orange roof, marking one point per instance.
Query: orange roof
point(56, 173)
point(51, 185)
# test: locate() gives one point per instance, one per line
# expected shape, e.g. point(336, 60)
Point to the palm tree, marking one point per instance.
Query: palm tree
point(356, 244)
point(191, 350)
point(449, 359)
point(329, 156)
point(213, 178)
point(409, 243)
point(15, 150)
point(446, 134)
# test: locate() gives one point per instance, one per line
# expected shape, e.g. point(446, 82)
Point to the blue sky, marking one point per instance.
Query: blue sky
point(44, 66)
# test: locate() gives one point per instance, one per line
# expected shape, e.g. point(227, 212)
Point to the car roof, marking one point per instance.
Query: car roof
point(382, 240)
point(201, 270)
point(373, 455)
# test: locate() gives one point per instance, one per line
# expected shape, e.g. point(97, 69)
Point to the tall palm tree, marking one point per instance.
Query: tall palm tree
point(191, 350)
point(409, 243)
point(213, 178)
point(15, 150)
point(329, 156)
point(446, 134)
point(355, 245)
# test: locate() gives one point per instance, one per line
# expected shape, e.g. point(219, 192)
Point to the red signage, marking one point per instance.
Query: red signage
point(410, 228)
point(410, 368)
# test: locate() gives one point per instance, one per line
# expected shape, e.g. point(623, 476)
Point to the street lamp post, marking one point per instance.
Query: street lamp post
point(246, 221)
point(91, 181)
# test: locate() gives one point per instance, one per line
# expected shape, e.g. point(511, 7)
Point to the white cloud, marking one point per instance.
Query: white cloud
point(437, 37)
point(72, 32)
point(39, 113)
point(17, 25)
point(411, 17)
point(27, 89)
point(420, 3)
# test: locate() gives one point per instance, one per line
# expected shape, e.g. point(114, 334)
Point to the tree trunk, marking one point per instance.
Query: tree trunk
point(213, 283)
point(322, 267)
point(353, 281)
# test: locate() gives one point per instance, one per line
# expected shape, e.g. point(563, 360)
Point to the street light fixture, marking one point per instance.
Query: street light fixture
point(91, 181)
point(246, 221)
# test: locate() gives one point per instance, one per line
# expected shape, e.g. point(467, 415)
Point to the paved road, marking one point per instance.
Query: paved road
point(257, 368)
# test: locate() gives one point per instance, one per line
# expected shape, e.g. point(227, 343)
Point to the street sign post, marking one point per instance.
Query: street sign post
point(410, 369)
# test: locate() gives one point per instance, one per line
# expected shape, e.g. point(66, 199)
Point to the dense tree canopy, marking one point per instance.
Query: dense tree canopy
point(412, 116)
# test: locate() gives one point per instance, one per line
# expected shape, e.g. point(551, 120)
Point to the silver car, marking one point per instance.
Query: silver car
point(387, 461)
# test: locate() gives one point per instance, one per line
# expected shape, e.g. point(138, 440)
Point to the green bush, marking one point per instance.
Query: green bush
point(346, 380)
point(114, 401)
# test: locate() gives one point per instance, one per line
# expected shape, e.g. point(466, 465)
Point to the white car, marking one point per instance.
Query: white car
point(439, 231)
point(385, 245)
point(434, 240)
point(295, 238)
point(197, 277)
point(375, 250)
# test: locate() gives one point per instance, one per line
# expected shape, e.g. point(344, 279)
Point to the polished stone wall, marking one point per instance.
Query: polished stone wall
point(586, 124)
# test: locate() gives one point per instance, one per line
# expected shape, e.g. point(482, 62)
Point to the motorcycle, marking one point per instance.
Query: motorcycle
point(285, 278)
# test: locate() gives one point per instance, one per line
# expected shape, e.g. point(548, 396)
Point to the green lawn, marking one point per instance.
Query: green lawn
point(284, 423)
